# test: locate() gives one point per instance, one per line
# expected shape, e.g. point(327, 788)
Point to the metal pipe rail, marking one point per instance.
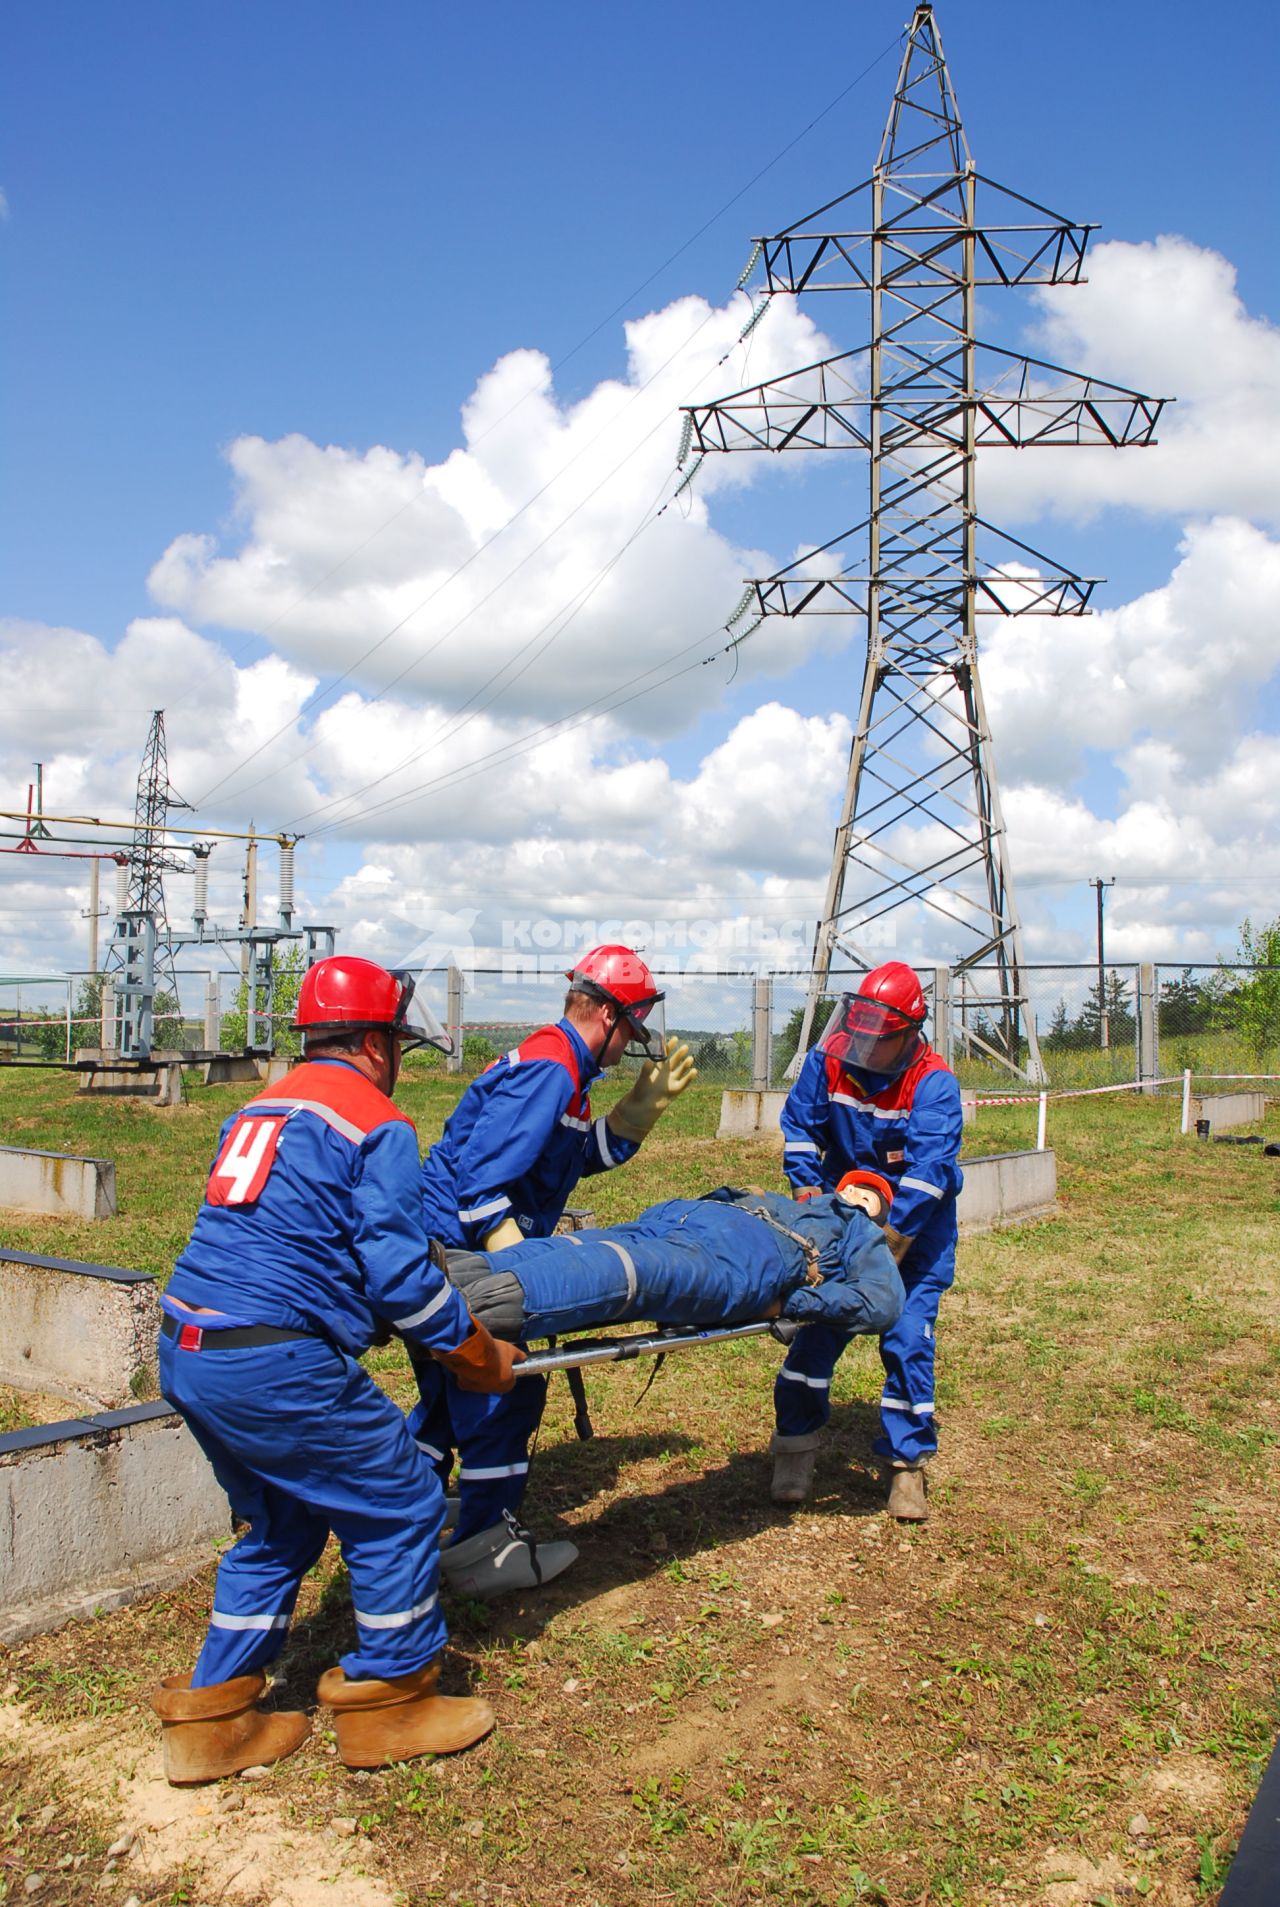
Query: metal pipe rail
point(650, 1344)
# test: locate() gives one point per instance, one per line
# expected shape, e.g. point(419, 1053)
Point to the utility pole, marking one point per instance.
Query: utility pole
point(920, 823)
point(1104, 1018)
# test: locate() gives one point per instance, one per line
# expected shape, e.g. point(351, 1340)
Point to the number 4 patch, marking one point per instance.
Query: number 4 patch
point(241, 1168)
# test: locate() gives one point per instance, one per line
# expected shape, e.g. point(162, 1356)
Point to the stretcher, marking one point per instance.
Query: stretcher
point(734, 1264)
point(633, 1344)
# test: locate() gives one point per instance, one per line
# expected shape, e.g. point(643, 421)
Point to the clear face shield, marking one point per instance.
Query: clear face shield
point(870, 1036)
point(415, 1024)
point(647, 1023)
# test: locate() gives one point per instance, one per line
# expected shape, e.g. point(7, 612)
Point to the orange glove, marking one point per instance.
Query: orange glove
point(482, 1362)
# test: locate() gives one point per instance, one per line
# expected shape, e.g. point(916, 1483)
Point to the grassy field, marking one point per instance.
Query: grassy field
point(1059, 1691)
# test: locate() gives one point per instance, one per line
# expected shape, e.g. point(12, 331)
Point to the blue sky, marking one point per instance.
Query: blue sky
point(253, 221)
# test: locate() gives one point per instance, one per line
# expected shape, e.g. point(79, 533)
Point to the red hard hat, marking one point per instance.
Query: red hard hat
point(345, 992)
point(619, 975)
point(895, 985)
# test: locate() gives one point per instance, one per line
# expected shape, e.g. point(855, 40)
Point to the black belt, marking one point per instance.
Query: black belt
point(191, 1335)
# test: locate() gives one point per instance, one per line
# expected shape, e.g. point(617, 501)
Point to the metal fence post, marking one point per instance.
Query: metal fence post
point(453, 1019)
point(942, 1013)
point(761, 1033)
point(212, 1013)
point(1148, 1040)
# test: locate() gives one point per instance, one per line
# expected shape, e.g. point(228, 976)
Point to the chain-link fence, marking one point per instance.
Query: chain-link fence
point(1129, 1023)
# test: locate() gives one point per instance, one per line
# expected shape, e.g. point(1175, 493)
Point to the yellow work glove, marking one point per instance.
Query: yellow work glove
point(659, 1082)
point(508, 1233)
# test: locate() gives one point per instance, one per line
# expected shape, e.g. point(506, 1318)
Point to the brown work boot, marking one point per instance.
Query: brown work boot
point(216, 1731)
point(793, 1462)
point(907, 1495)
point(395, 1720)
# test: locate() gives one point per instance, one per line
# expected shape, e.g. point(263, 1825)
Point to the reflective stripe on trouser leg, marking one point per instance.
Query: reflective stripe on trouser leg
point(493, 1435)
point(802, 1388)
point(908, 1433)
point(428, 1421)
point(308, 1443)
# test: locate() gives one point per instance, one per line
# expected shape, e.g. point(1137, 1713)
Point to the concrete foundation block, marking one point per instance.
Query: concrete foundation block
point(83, 1332)
point(272, 1071)
point(100, 1511)
point(169, 1088)
point(968, 1108)
point(119, 1082)
point(1223, 1110)
point(231, 1069)
point(56, 1184)
point(747, 1114)
point(1006, 1189)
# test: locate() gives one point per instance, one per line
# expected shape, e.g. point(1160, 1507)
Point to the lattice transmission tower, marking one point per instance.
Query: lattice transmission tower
point(140, 952)
point(920, 822)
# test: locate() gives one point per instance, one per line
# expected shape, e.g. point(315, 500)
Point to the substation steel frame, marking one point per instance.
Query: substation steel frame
point(920, 819)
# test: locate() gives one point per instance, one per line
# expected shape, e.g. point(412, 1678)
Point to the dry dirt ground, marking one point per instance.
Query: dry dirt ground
point(1058, 1692)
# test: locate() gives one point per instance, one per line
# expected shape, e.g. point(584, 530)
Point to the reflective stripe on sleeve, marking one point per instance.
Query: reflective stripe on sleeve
point(396, 1618)
point(428, 1310)
point(477, 1212)
point(487, 1473)
point(218, 1620)
point(800, 1145)
point(602, 1140)
point(628, 1265)
point(429, 1450)
point(575, 1125)
point(798, 1377)
point(894, 1403)
point(921, 1185)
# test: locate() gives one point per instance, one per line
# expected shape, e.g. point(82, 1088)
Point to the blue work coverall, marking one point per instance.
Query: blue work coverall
point(909, 1131)
point(515, 1146)
point(312, 1223)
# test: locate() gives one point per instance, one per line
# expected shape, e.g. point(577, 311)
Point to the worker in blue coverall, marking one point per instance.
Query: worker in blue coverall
point(874, 1095)
point(505, 1167)
point(309, 1238)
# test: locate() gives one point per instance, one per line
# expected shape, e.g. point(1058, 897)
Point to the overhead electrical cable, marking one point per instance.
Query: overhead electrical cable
point(556, 365)
point(520, 745)
point(329, 689)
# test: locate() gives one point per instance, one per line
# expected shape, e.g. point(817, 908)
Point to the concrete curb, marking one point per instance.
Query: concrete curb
point(102, 1510)
point(79, 1331)
point(56, 1184)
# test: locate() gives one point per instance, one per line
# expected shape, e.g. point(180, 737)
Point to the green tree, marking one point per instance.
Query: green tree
point(1251, 1006)
point(789, 1038)
point(1120, 1020)
point(287, 971)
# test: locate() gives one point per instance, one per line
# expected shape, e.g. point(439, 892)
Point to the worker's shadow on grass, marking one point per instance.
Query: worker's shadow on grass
point(669, 1523)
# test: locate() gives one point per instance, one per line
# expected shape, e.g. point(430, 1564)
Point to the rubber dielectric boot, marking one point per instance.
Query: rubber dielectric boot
point(216, 1731)
point(378, 1722)
point(503, 1558)
point(907, 1498)
point(793, 1461)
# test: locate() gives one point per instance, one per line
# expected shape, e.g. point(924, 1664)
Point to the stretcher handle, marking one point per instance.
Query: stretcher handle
point(650, 1344)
